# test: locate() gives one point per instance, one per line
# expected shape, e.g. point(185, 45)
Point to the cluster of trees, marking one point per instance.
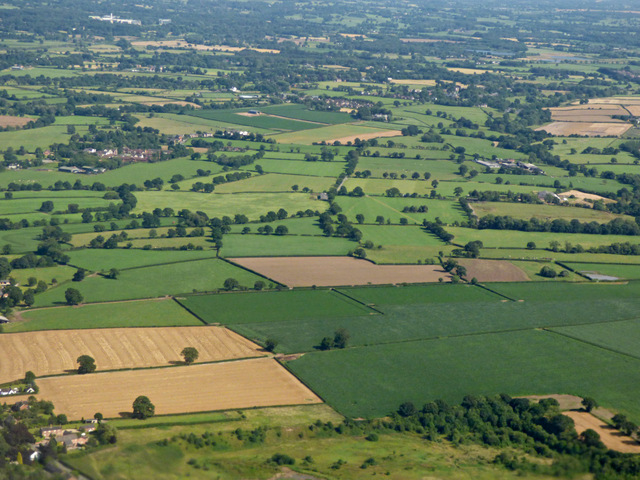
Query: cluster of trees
point(617, 226)
point(343, 227)
point(340, 339)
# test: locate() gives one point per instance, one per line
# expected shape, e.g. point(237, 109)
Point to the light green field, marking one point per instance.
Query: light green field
point(396, 235)
point(439, 169)
point(296, 226)
point(289, 245)
point(378, 186)
point(620, 271)
point(391, 209)
point(299, 167)
point(218, 205)
point(146, 313)
point(410, 254)
point(60, 273)
point(540, 253)
point(22, 240)
point(273, 182)
point(99, 260)
point(32, 139)
point(332, 132)
point(550, 212)
point(148, 282)
point(513, 238)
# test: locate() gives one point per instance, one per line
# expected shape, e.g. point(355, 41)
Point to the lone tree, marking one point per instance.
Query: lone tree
point(270, 344)
point(589, 403)
point(143, 408)
point(231, 283)
point(190, 355)
point(73, 296)
point(341, 338)
point(86, 364)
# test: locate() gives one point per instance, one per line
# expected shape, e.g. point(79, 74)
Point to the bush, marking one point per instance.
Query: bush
point(282, 459)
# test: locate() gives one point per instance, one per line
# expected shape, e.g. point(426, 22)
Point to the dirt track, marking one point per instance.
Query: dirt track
point(196, 388)
point(611, 437)
point(337, 271)
point(54, 352)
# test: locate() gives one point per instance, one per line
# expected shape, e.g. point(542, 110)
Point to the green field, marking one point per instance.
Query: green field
point(518, 239)
point(387, 235)
point(287, 245)
point(300, 112)
point(44, 137)
point(259, 307)
point(218, 205)
point(527, 211)
point(145, 313)
point(391, 209)
point(373, 381)
point(620, 271)
point(622, 337)
point(299, 167)
point(147, 282)
point(273, 182)
point(327, 134)
point(105, 259)
point(260, 121)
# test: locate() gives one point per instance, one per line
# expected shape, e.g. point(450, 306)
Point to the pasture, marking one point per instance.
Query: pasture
point(251, 245)
point(544, 212)
point(298, 167)
point(373, 381)
point(518, 239)
point(220, 386)
point(55, 352)
point(126, 259)
point(258, 307)
point(273, 182)
point(391, 209)
point(139, 313)
point(154, 281)
point(218, 205)
point(614, 270)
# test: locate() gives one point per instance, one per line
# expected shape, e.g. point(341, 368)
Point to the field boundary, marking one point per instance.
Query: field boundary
point(356, 300)
point(275, 282)
point(189, 311)
point(592, 344)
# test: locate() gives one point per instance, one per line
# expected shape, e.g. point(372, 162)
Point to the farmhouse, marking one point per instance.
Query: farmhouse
point(70, 170)
point(47, 432)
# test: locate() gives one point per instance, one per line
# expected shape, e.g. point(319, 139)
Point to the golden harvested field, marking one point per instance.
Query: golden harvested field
point(588, 113)
point(493, 270)
point(611, 437)
point(338, 271)
point(615, 101)
point(367, 136)
point(467, 71)
point(259, 382)
point(409, 81)
point(588, 129)
point(55, 351)
point(11, 121)
point(582, 196)
point(182, 44)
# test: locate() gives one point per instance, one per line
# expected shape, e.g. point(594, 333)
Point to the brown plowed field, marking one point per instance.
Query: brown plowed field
point(611, 437)
point(337, 271)
point(54, 352)
point(196, 388)
point(11, 121)
point(588, 129)
point(493, 270)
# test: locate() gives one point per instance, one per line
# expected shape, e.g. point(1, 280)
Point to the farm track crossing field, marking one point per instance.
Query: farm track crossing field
point(373, 381)
point(55, 352)
point(260, 307)
point(222, 386)
point(139, 313)
point(333, 271)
